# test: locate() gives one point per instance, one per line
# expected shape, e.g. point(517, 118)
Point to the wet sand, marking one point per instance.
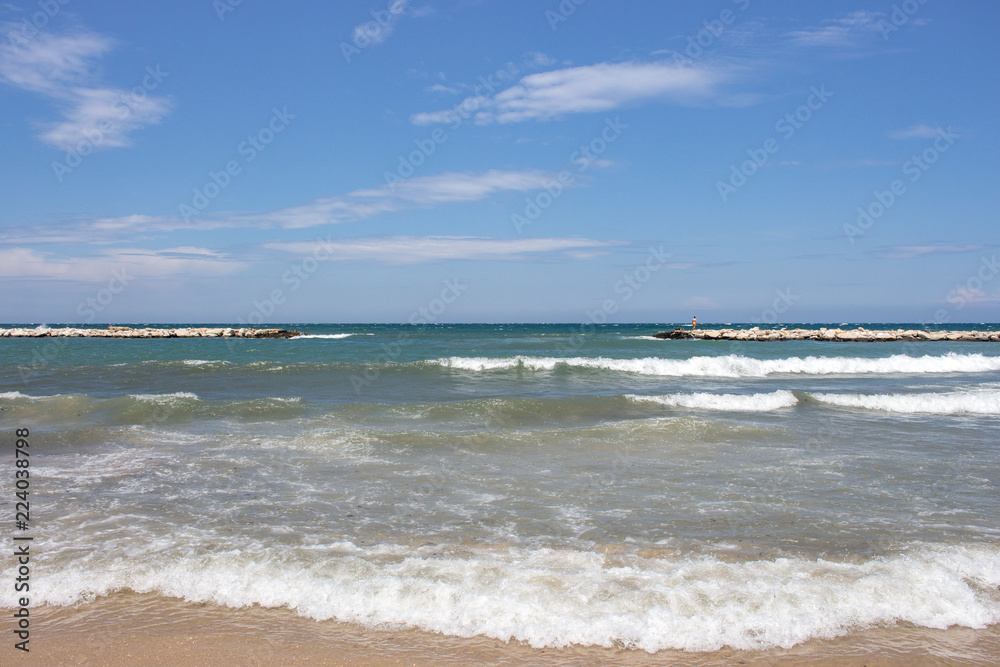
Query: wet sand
point(130, 629)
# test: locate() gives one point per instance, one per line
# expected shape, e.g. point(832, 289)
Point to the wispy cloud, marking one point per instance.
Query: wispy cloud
point(854, 164)
point(847, 31)
point(61, 68)
point(420, 191)
point(415, 192)
point(378, 31)
point(589, 89)
point(135, 262)
point(443, 89)
point(423, 249)
point(911, 251)
point(976, 296)
point(916, 132)
point(538, 59)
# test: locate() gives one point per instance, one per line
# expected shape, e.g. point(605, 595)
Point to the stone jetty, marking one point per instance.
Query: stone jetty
point(129, 332)
point(859, 335)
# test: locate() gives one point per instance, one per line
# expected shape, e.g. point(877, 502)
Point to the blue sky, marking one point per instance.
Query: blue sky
point(478, 160)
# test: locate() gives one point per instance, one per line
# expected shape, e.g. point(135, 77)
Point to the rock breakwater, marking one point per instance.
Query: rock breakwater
point(859, 335)
point(148, 332)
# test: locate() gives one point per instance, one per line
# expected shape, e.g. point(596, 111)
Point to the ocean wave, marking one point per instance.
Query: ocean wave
point(11, 395)
point(161, 398)
point(329, 336)
point(981, 402)
point(737, 366)
point(732, 402)
point(559, 597)
point(177, 407)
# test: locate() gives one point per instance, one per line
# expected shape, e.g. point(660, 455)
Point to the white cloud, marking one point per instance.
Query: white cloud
point(382, 24)
point(911, 251)
point(539, 59)
point(137, 262)
point(415, 191)
point(588, 89)
point(422, 249)
point(60, 67)
point(976, 296)
point(443, 89)
point(848, 31)
point(916, 132)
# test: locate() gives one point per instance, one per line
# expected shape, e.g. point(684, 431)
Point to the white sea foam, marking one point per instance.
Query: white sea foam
point(332, 336)
point(736, 366)
point(732, 402)
point(550, 597)
point(979, 401)
point(10, 395)
point(202, 362)
point(164, 398)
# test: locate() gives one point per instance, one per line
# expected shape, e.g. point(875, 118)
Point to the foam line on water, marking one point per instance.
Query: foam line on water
point(732, 402)
point(335, 336)
point(982, 402)
point(737, 366)
point(160, 398)
point(552, 597)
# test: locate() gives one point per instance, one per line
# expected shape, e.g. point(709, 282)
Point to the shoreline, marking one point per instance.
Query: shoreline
point(149, 332)
point(130, 628)
point(859, 335)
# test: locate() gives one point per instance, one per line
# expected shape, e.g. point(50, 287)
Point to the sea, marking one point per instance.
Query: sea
point(552, 485)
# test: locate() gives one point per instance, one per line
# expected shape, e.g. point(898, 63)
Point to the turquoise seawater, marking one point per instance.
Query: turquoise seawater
point(555, 484)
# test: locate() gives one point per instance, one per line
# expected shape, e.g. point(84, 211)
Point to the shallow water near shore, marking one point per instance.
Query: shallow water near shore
point(126, 628)
point(553, 485)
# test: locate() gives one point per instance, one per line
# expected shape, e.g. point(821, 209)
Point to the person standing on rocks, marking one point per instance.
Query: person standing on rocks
point(694, 323)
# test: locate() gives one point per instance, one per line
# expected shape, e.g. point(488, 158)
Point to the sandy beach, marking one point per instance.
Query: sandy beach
point(130, 629)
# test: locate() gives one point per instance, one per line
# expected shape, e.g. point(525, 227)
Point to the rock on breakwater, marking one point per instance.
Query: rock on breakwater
point(859, 335)
point(148, 332)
